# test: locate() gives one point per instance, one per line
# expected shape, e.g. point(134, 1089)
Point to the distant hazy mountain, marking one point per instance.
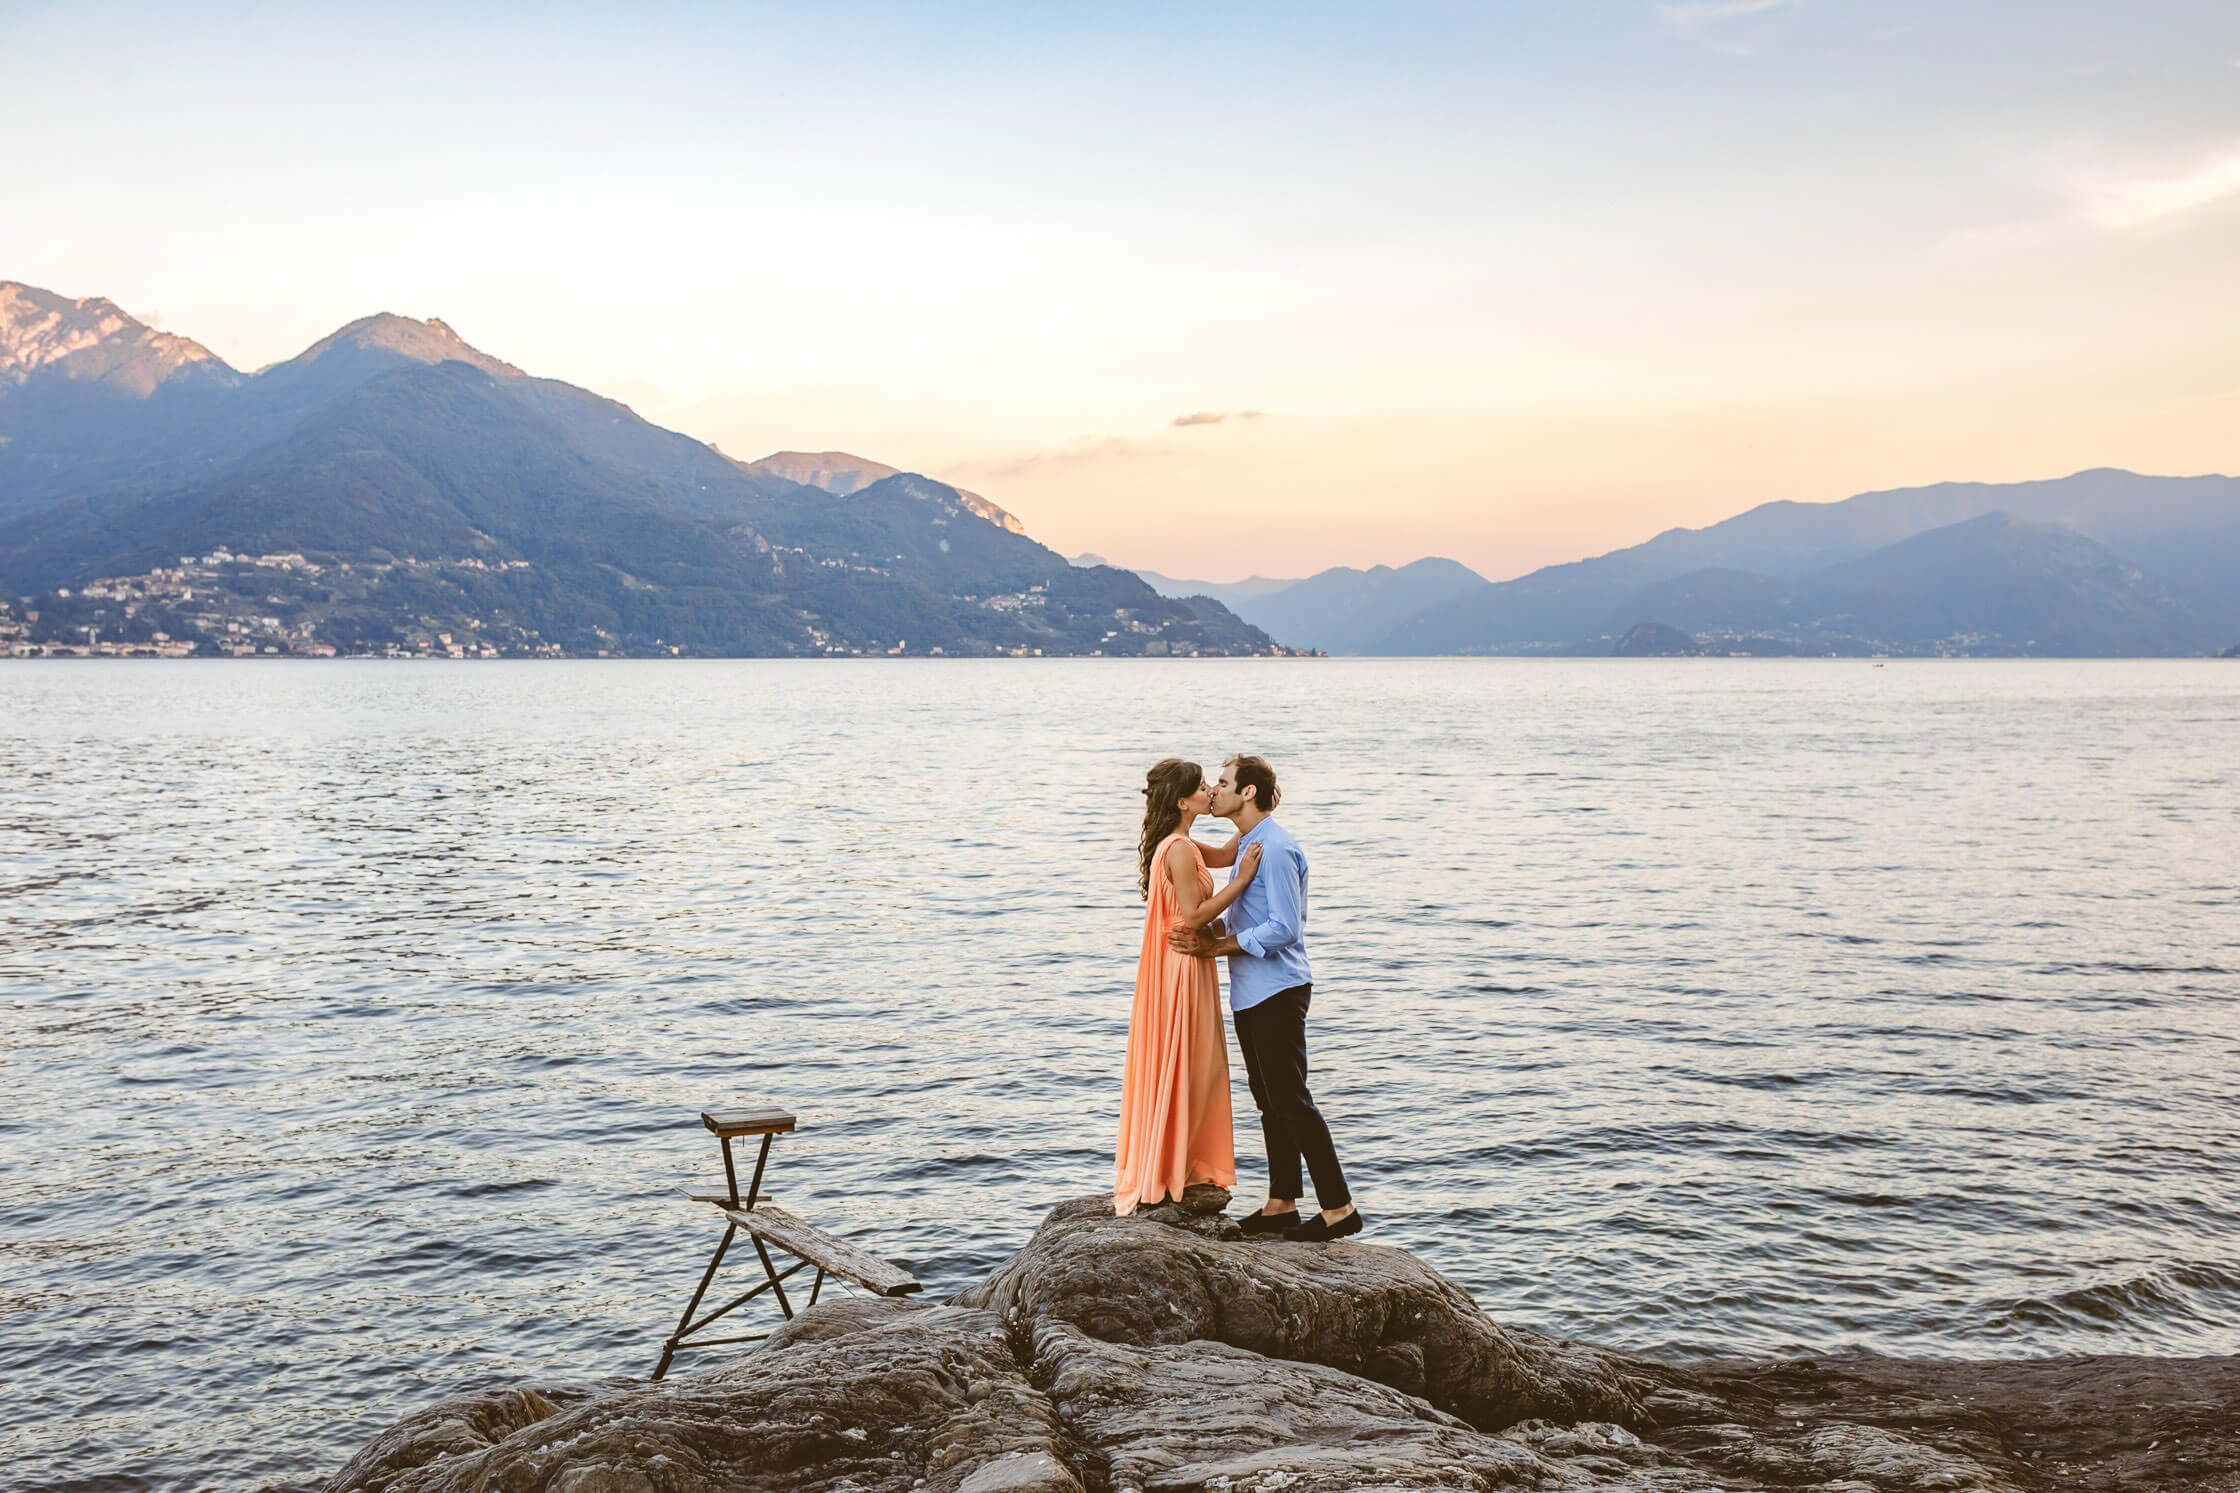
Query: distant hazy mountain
point(2185, 530)
point(1859, 576)
point(405, 490)
point(1712, 599)
point(1228, 593)
point(2182, 533)
point(1223, 626)
point(839, 473)
point(1992, 585)
point(2023, 587)
point(1341, 610)
point(1352, 611)
point(1656, 640)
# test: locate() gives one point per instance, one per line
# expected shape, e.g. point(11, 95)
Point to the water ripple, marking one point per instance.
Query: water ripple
point(356, 1015)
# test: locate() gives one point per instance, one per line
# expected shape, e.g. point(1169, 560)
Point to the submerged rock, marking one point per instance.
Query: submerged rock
point(1112, 1355)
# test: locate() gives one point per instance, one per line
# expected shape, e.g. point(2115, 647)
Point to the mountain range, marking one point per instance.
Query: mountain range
point(2101, 563)
point(395, 489)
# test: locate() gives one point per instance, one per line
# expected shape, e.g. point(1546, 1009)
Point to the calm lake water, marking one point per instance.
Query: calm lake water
point(354, 1017)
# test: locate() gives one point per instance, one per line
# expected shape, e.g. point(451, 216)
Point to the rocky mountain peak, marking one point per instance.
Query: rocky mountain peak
point(430, 341)
point(835, 472)
point(840, 473)
point(92, 340)
point(990, 512)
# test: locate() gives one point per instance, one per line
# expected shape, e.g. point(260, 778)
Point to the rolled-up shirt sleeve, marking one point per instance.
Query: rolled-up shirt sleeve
point(1282, 879)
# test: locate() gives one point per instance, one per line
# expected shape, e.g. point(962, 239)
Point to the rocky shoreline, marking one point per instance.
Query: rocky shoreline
point(1165, 1354)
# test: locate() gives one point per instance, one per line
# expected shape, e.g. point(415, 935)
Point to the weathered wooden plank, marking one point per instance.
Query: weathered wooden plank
point(720, 1197)
point(806, 1241)
point(757, 1119)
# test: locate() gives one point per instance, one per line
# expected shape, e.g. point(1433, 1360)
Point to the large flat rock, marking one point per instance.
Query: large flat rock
point(1366, 1309)
point(1127, 1355)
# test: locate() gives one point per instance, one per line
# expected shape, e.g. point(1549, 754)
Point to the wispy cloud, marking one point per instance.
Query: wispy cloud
point(2143, 199)
point(1213, 417)
point(1705, 22)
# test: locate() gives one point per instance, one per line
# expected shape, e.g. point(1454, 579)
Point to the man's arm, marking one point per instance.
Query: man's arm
point(1286, 889)
point(1280, 928)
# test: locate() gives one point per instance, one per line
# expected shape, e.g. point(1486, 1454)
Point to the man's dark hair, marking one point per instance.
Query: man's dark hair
point(1256, 774)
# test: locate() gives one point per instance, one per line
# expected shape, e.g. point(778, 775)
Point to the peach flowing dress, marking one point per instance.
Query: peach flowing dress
point(1174, 1099)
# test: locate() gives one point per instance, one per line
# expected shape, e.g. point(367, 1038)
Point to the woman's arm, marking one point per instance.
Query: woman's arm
point(1182, 875)
point(1221, 855)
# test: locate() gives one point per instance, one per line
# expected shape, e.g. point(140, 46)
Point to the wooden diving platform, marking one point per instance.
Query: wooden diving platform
point(768, 1227)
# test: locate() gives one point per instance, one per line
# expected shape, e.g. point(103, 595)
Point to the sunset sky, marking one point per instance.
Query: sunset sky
point(1513, 283)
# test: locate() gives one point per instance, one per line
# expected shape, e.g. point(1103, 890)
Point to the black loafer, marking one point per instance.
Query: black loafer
point(1315, 1231)
point(1268, 1223)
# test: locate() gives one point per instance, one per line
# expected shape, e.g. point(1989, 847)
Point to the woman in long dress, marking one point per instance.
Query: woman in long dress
point(1174, 1098)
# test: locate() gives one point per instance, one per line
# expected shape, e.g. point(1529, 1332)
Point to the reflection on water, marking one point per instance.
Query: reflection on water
point(356, 1015)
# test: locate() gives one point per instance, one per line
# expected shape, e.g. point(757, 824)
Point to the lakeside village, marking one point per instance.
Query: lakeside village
point(227, 605)
point(224, 605)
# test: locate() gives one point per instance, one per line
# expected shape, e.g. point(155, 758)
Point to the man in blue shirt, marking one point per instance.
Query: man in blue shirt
point(1270, 985)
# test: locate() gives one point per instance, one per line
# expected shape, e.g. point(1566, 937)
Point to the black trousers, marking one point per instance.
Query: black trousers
point(1273, 1035)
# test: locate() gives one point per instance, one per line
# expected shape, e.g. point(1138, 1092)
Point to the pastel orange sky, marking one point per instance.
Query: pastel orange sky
point(1513, 283)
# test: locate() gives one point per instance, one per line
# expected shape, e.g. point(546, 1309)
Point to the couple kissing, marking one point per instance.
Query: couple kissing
point(1174, 1101)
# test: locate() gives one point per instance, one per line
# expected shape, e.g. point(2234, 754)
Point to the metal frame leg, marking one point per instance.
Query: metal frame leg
point(772, 1271)
point(683, 1337)
point(773, 1278)
point(731, 1173)
point(669, 1348)
point(754, 1188)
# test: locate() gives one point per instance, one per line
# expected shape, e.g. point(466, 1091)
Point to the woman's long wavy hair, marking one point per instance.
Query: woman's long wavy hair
point(1164, 789)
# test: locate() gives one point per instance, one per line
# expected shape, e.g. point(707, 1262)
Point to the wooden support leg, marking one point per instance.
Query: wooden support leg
point(816, 1285)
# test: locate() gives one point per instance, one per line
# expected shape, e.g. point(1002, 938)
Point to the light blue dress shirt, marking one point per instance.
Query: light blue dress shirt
point(1269, 920)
